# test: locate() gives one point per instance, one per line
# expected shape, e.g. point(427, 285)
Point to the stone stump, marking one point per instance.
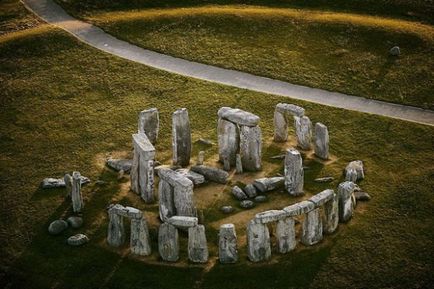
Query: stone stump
point(321, 141)
point(228, 141)
point(285, 234)
point(197, 246)
point(294, 174)
point(116, 231)
point(149, 123)
point(258, 242)
point(228, 252)
point(312, 228)
point(77, 199)
point(168, 243)
point(140, 242)
point(347, 201)
point(181, 138)
point(303, 131)
point(251, 147)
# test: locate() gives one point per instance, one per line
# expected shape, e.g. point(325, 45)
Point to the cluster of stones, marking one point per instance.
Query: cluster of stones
point(259, 186)
point(303, 129)
point(239, 139)
point(139, 236)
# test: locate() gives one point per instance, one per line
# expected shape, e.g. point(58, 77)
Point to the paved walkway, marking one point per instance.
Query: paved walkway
point(96, 37)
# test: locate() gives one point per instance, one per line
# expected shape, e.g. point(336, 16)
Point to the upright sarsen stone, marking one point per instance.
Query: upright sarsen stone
point(312, 228)
point(142, 169)
point(181, 137)
point(77, 199)
point(197, 246)
point(116, 231)
point(228, 252)
point(165, 200)
point(354, 171)
point(331, 215)
point(347, 201)
point(68, 184)
point(280, 127)
point(294, 174)
point(228, 141)
point(285, 235)
point(303, 131)
point(168, 243)
point(251, 147)
point(321, 141)
point(258, 242)
point(140, 242)
point(149, 123)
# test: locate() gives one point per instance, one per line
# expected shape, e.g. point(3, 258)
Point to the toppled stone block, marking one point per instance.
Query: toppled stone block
point(228, 252)
point(183, 222)
point(120, 164)
point(227, 209)
point(49, 183)
point(362, 196)
point(238, 116)
point(212, 174)
point(238, 193)
point(196, 178)
point(268, 184)
point(324, 180)
point(354, 171)
point(260, 199)
point(247, 204)
point(250, 191)
point(75, 222)
point(270, 216)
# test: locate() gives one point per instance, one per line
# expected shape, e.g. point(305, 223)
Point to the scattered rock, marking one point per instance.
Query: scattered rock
point(227, 209)
point(395, 51)
point(247, 204)
point(250, 191)
point(212, 174)
point(278, 157)
point(362, 196)
point(205, 142)
point(121, 174)
point(49, 183)
point(324, 180)
point(238, 193)
point(75, 222)
point(120, 164)
point(354, 171)
point(57, 227)
point(77, 240)
point(260, 199)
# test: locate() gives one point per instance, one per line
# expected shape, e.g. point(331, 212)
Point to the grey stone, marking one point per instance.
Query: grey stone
point(49, 183)
point(322, 197)
point(166, 202)
point(312, 228)
point(270, 216)
point(280, 127)
point(354, 171)
point(331, 215)
point(75, 222)
point(197, 245)
point(285, 235)
point(183, 222)
point(238, 193)
point(247, 204)
point(290, 109)
point(306, 206)
point(227, 209)
point(56, 227)
point(120, 164)
point(238, 116)
point(140, 241)
point(142, 169)
point(258, 242)
point(228, 252)
point(346, 201)
point(68, 184)
point(260, 199)
point(395, 51)
point(238, 164)
point(121, 174)
point(294, 210)
point(228, 141)
point(303, 131)
point(278, 157)
point(128, 212)
point(268, 184)
point(116, 230)
point(250, 191)
point(76, 197)
point(362, 196)
point(294, 174)
point(196, 178)
point(226, 164)
point(251, 147)
point(149, 123)
point(77, 240)
point(324, 180)
point(212, 174)
point(321, 146)
point(200, 158)
point(168, 243)
point(181, 137)
point(205, 142)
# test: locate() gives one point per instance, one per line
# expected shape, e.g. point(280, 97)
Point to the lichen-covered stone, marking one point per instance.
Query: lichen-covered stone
point(120, 164)
point(228, 141)
point(49, 183)
point(56, 227)
point(322, 197)
point(197, 245)
point(354, 171)
point(331, 215)
point(238, 116)
point(285, 235)
point(270, 216)
point(250, 191)
point(200, 158)
point(260, 199)
point(212, 174)
point(116, 230)
point(77, 240)
point(165, 200)
point(312, 228)
point(227, 209)
point(142, 168)
point(75, 222)
point(168, 243)
point(347, 201)
point(258, 242)
point(290, 109)
point(324, 180)
point(268, 184)
point(76, 197)
point(280, 127)
point(196, 178)
point(321, 141)
point(247, 204)
point(140, 241)
point(181, 137)
point(238, 193)
point(228, 252)
point(251, 147)
point(183, 222)
point(294, 174)
point(149, 123)
point(303, 131)
point(238, 164)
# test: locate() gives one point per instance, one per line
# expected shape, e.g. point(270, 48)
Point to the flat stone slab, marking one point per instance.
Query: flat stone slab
point(270, 216)
point(322, 197)
point(120, 164)
point(49, 183)
point(196, 178)
point(290, 109)
point(260, 199)
point(174, 178)
point(183, 222)
point(238, 116)
point(227, 209)
point(212, 174)
point(268, 184)
point(362, 196)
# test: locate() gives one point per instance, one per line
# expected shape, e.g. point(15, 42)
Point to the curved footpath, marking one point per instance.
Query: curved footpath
point(96, 37)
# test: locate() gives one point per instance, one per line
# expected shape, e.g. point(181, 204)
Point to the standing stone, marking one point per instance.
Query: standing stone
point(346, 201)
point(77, 199)
point(116, 231)
point(181, 138)
point(238, 116)
point(331, 215)
point(228, 140)
point(200, 158)
point(183, 198)
point(285, 234)
point(166, 204)
point(197, 246)
point(280, 127)
point(140, 242)
point(258, 242)
point(168, 243)
point(312, 228)
point(149, 123)
point(251, 147)
point(146, 180)
point(321, 141)
point(68, 184)
point(303, 131)
point(354, 171)
point(294, 174)
point(238, 164)
point(228, 252)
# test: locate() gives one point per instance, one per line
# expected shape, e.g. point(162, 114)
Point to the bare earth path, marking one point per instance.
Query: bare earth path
point(96, 37)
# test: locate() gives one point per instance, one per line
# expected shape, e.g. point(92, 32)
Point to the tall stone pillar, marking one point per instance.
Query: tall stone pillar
point(228, 141)
point(140, 242)
point(181, 137)
point(168, 243)
point(197, 246)
point(280, 127)
point(228, 252)
point(285, 234)
point(331, 215)
point(321, 141)
point(347, 201)
point(77, 199)
point(166, 203)
point(116, 231)
point(312, 228)
point(303, 131)
point(149, 123)
point(294, 174)
point(142, 169)
point(258, 242)
point(251, 147)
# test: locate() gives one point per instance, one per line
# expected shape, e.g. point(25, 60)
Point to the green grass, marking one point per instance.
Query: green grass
point(64, 106)
point(338, 52)
point(13, 17)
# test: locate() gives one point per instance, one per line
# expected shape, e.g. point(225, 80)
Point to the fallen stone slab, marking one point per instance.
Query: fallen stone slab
point(120, 164)
point(75, 222)
point(324, 180)
point(247, 204)
point(183, 222)
point(196, 178)
point(250, 191)
point(278, 157)
point(212, 174)
point(270, 216)
point(260, 199)
point(238, 193)
point(362, 196)
point(77, 240)
point(227, 209)
point(268, 184)
point(354, 171)
point(205, 142)
point(238, 116)
point(49, 183)
point(56, 227)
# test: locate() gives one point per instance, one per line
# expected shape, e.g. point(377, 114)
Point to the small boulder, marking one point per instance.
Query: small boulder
point(227, 209)
point(250, 191)
point(238, 193)
point(362, 196)
point(57, 227)
point(395, 51)
point(247, 204)
point(75, 222)
point(324, 180)
point(77, 240)
point(354, 171)
point(260, 199)
point(120, 164)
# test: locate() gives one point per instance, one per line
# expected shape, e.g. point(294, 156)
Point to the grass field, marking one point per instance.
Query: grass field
point(65, 106)
point(334, 51)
